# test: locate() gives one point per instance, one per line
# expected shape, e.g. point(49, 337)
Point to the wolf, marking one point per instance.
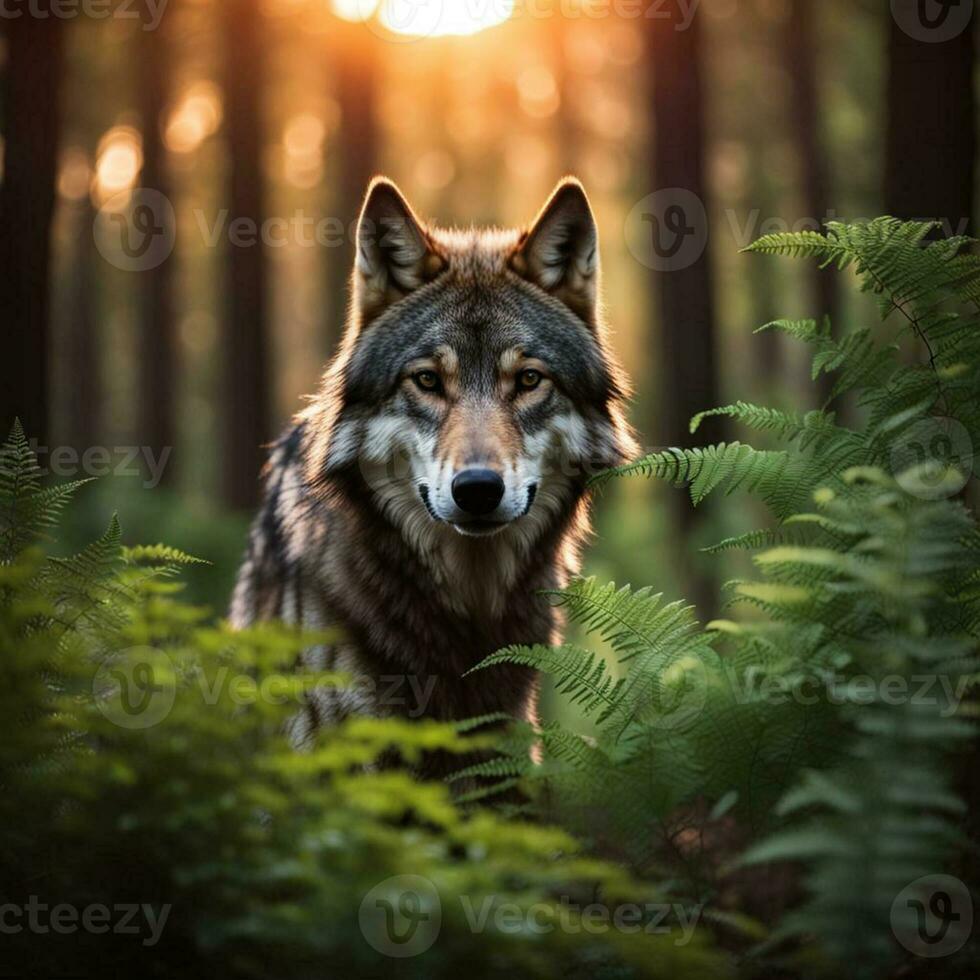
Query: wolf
point(435, 486)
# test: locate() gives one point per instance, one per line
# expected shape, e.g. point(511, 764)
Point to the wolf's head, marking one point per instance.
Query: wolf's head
point(474, 389)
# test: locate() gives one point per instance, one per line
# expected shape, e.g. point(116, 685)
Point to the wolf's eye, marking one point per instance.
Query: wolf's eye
point(529, 380)
point(426, 380)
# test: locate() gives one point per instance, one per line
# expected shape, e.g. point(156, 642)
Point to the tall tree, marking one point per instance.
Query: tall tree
point(805, 115)
point(246, 396)
point(566, 123)
point(30, 129)
point(683, 286)
point(356, 58)
point(931, 139)
point(156, 406)
point(80, 365)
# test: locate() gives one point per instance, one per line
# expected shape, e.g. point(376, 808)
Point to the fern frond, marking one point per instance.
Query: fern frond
point(631, 622)
point(704, 470)
point(579, 674)
point(812, 428)
point(158, 554)
point(802, 244)
point(760, 538)
point(807, 330)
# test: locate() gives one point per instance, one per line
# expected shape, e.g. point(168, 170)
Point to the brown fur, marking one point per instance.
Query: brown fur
point(361, 527)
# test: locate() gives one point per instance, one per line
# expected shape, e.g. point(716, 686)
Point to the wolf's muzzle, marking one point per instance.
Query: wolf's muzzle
point(478, 492)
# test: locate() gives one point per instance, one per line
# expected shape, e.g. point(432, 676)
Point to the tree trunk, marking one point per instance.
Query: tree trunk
point(684, 288)
point(566, 125)
point(245, 362)
point(355, 54)
point(157, 410)
point(682, 285)
point(27, 197)
point(766, 352)
point(80, 371)
point(931, 137)
point(801, 64)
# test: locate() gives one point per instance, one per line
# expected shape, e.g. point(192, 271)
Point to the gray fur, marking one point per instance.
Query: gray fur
point(359, 528)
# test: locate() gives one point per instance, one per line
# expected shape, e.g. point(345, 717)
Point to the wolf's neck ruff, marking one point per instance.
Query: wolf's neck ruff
point(436, 483)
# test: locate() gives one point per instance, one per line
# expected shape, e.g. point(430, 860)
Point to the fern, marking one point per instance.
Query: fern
point(582, 676)
point(632, 622)
point(27, 510)
point(811, 427)
point(780, 721)
point(272, 856)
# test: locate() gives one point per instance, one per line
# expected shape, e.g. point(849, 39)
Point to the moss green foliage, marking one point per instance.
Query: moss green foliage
point(822, 725)
point(143, 763)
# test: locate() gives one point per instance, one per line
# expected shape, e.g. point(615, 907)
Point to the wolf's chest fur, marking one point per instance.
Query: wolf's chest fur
point(434, 488)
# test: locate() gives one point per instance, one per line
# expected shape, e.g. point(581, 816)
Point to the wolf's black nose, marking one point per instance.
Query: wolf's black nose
point(478, 491)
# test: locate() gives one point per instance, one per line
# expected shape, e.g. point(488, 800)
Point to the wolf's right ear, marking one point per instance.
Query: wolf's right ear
point(395, 254)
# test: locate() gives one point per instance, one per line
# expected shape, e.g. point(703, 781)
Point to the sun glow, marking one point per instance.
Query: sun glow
point(119, 159)
point(428, 18)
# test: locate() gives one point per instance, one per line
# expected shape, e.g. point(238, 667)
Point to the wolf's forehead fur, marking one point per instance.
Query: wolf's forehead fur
point(476, 254)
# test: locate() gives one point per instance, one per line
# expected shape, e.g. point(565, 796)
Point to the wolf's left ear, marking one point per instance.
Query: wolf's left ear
point(560, 253)
point(395, 254)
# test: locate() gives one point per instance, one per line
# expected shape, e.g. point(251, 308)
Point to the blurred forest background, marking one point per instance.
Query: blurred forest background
point(200, 342)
